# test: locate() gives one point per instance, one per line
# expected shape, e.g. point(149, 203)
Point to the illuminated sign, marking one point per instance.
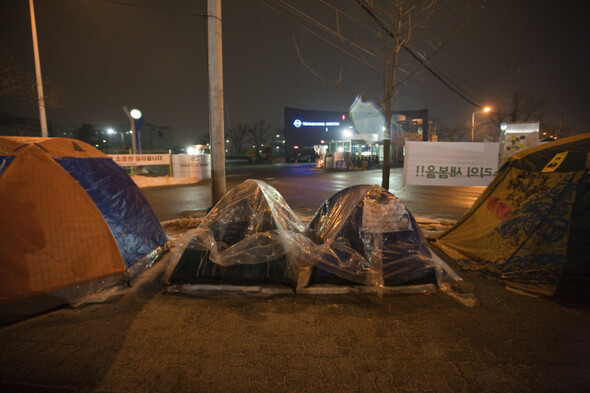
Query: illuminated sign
point(299, 123)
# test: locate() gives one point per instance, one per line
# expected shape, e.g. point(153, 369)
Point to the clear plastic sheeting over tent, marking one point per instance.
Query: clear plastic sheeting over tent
point(365, 235)
point(246, 239)
point(362, 240)
point(369, 238)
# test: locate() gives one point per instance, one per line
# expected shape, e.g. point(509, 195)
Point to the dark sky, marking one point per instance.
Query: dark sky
point(153, 56)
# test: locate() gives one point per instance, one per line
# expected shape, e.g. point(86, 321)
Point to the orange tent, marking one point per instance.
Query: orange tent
point(68, 215)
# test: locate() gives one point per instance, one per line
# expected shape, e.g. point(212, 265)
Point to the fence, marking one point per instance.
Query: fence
point(166, 164)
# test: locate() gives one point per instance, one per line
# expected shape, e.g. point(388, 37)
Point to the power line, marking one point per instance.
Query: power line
point(323, 27)
point(416, 56)
point(413, 53)
point(341, 38)
point(339, 11)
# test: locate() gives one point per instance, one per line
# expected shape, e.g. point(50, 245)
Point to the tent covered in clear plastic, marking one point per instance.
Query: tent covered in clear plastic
point(245, 240)
point(366, 236)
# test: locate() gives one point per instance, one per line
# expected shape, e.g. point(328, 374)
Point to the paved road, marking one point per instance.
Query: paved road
point(304, 186)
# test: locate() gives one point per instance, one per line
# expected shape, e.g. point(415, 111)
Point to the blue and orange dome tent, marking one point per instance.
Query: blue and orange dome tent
point(69, 216)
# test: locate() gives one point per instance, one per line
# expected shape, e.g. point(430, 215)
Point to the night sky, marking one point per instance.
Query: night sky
point(152, 54)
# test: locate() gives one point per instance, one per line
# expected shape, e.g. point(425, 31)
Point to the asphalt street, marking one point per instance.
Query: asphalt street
point(305, 187)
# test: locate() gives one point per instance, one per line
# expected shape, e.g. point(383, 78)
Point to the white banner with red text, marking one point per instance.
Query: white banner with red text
point(141, 159)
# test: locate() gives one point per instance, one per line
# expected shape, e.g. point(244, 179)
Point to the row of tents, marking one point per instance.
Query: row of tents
point(73, 222)
point(361, 236)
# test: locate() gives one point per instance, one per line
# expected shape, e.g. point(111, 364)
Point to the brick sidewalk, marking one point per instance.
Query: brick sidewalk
point(149, 341)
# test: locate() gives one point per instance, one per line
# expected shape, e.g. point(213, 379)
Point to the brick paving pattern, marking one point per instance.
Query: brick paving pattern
point(151, 341)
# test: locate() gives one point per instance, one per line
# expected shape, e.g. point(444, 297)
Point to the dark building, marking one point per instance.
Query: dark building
point(305, 129)
point(414, 121)
point(335, 131)
point(154, 137)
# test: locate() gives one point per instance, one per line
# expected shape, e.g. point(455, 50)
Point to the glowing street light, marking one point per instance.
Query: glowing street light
point(111, 131)
point(486, 109)
point(134, 114)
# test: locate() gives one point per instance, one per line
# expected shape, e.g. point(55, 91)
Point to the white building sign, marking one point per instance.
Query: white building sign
point(300, 123)
point(140, 159)
point(450, 163)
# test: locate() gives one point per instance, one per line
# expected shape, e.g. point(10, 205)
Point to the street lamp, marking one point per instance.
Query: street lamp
point(134, 114)
point(111, 131)
point(486, 109)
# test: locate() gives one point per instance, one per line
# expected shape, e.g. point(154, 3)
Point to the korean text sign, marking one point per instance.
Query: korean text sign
point(141, 159)
point(450, 163)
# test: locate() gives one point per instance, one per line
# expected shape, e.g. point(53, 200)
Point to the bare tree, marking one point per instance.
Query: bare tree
point(396, 19)
point(525, 108)
point(237, 137)
point(19, 89)
point(455, 133)
point(522, 108)
point(260, 134)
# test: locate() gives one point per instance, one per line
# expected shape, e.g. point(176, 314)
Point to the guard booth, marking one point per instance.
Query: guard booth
point(361, 153)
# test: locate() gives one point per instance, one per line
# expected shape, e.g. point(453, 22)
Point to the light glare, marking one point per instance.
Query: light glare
point(135, 113)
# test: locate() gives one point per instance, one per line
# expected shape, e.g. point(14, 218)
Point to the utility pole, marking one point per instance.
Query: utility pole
point(41, 97)
point(515, 114)
point(133, 132)
point(216, 126)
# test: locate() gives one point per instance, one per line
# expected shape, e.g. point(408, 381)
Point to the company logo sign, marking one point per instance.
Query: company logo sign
point(299, 123)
